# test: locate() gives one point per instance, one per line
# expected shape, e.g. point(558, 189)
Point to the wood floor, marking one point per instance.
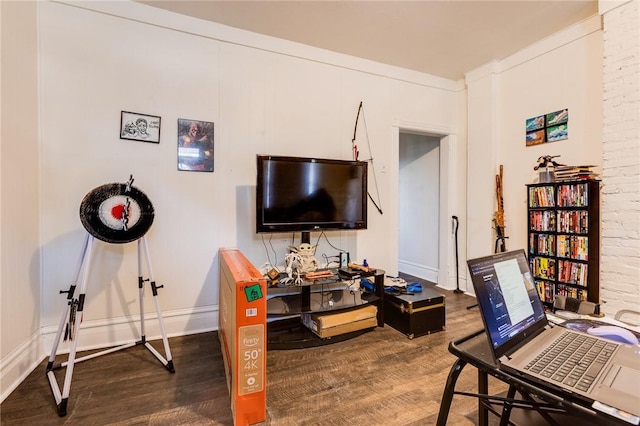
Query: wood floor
point(378, 378)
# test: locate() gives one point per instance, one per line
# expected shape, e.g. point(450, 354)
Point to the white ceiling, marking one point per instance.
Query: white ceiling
point(444, 38)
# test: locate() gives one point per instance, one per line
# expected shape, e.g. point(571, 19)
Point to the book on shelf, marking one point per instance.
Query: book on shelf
point(542, 220)
point(545, 291)
point(544, 268)
point(576, 293)
point(542, 196)
point(573, 221)
point(573, 195)
point(564, 173)
point(572, 272)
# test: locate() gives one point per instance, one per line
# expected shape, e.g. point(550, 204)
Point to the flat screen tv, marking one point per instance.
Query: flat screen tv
point(309, 194)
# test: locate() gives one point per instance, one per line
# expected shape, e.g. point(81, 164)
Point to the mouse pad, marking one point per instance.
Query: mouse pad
point(583, 325)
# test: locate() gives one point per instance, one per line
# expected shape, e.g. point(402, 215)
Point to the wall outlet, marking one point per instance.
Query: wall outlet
point(344, 259)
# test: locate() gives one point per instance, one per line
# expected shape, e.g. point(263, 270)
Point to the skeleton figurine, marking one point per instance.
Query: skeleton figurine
point(306, 251)
point(300, 260)
point(292, 267)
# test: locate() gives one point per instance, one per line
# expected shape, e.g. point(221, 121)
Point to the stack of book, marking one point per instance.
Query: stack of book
point(564, 173)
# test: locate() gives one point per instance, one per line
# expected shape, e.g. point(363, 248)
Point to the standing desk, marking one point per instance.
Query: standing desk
point(535, 402)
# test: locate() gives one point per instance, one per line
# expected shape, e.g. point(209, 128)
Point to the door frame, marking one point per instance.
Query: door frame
point(448, 191)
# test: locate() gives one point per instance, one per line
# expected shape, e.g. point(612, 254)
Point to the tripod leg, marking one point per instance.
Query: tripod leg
point(62, 408)
point(168, 362)
point(75, 310)
point(65, 314)
point(143, 335)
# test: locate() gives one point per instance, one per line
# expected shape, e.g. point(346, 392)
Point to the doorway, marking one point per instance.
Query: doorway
point(446, 200)
point(419, 205)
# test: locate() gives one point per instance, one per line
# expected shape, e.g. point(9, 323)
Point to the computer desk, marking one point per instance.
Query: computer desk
point(535, 402)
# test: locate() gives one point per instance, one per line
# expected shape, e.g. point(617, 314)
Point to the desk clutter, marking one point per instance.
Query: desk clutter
point(324, 306)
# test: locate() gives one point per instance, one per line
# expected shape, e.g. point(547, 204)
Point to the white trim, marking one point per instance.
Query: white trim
point(448, 207)
point(546, 45)
point(117, 331)
point(162, 18)
point(19, 363)
point(99, 334)
point(606, 6)
point(419, 271)
point(448, 189)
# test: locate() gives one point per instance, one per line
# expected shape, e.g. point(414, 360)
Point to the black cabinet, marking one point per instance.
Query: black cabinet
point(415, 314)
point(564, 239)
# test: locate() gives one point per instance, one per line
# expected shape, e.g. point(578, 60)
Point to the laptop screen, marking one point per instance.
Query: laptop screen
point(509, 303)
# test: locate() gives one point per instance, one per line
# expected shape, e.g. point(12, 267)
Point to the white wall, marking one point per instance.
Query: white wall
point(264, 95)
point(562, 71)
point(620, 266)
point(20, 320)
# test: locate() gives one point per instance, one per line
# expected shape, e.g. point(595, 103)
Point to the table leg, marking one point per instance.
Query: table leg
point(483, 389)
point(507, 406)
point(379, 291)
point(449, 388)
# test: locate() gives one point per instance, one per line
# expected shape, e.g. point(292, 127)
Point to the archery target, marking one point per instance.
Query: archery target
point(114, 214)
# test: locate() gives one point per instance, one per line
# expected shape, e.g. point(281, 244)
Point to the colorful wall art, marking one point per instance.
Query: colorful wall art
point(549, 127)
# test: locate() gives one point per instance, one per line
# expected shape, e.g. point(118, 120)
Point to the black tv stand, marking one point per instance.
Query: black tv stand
point(286, 331)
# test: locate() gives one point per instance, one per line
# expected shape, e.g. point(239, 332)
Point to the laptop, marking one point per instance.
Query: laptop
point(518, 333)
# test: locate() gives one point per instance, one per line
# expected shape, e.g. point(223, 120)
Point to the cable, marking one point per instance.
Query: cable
point(275, 255)
point(327, 262)
point(328, 242)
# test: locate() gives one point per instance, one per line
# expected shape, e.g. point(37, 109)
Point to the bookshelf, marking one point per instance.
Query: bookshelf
point(564, 239)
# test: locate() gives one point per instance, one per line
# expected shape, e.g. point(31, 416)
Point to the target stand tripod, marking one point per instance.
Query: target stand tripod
point(105, 213)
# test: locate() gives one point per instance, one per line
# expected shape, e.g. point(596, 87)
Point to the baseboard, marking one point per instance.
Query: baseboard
point(419, 271)
point(19, 363)
point(16, 366)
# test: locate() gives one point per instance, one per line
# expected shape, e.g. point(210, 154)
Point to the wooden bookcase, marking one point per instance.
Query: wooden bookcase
point(564, 239)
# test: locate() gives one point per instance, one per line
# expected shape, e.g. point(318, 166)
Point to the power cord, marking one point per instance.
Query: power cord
point(275, 255)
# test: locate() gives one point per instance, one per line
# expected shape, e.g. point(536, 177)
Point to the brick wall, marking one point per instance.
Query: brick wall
point(620, 261)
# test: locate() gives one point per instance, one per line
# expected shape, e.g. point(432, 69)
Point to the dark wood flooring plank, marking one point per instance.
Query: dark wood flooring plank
point(379, 378)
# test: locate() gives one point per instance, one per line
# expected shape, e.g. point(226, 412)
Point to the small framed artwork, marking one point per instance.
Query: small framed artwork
point(139, 127)
point(557, 117)
point(535, 138)
point(557, 133)
point(195, 145)
point(550, 127)
point(535, 123)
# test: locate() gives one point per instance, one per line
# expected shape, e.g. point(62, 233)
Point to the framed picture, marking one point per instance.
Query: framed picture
point(550, 127)
point(535, 123)
point(557, 117)
point(139, 127)
point(535, 138)
point(195, 145)
point(557, 133)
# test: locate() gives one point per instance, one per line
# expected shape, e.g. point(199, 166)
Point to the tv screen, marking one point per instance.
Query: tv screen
point(307, 194)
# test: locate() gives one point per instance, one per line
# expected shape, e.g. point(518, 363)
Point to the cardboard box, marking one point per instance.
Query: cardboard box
point(242, 334)
point(329, 324)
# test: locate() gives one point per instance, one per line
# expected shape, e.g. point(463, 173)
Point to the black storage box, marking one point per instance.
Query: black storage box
point(415, 314)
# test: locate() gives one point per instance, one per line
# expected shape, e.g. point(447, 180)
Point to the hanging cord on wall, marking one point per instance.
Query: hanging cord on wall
point(356, 153)
point(273, 264)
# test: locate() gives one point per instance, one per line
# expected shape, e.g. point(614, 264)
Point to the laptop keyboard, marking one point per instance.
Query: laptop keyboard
point(574, 359)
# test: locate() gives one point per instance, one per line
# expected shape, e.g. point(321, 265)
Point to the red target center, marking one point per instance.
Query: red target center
point(117, 211)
